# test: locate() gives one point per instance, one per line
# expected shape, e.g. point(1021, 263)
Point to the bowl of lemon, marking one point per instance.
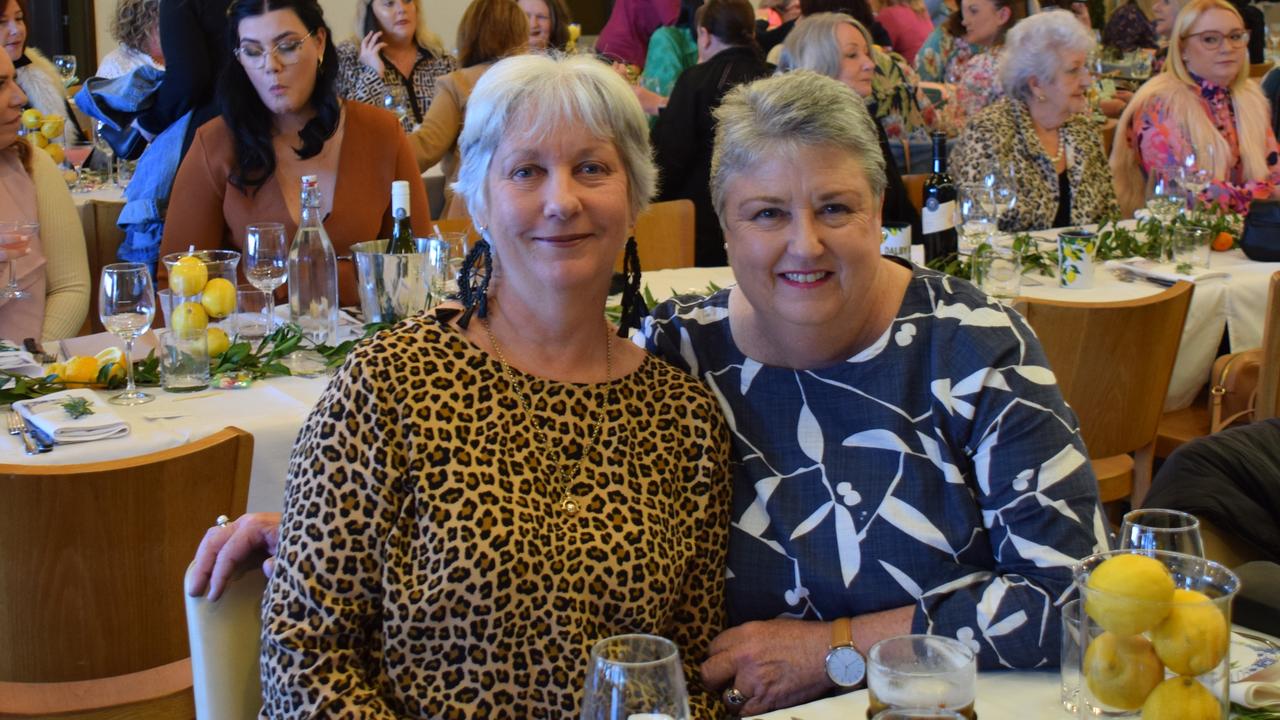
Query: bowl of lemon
point(1156, 629)
point(198, 306)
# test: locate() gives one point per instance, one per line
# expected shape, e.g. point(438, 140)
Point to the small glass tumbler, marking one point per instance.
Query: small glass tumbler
point(921, 671)
point(253, 313)
point(1070, 657)
point(1191, 245)
point(635, 676)
point(997, 270)
point(918, 714)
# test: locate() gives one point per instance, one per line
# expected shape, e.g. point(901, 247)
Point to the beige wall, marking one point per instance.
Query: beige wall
point(442, 14)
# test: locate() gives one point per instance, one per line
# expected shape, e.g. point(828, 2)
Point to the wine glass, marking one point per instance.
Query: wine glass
point(978, 222)
point(1158, 529)
point(66, 65)
point(1198, 172)
point(77, 154)
point(266, 260)
point(126, 304)
point(396, 101)
point(1166, 196)
point(635, 676)
point(101, 145)
point(15, 237)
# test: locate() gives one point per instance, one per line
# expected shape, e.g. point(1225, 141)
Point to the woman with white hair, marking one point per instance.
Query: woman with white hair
point(1202, 99)
point(485, 491)
point(395, 49)
point(1037, 133)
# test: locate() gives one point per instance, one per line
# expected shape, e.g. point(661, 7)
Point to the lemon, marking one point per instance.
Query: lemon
point(55, 152)
point(188, 276)
point(56, 369)
point(1129, 593)
point(40, 140)
point(218, 342)
point(52, 126)
point(115, 358)
point(81, 369)
point(1121, 671)
point(219, 298)
point(1193, 639)
point(32, 119)
point(188, 318)
point(1181, 698)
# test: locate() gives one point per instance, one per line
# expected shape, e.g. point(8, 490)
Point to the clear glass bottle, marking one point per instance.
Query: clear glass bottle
point(313, 271)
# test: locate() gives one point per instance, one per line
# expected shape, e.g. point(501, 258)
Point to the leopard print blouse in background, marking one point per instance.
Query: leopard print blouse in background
point(1002, 137)
point(425, 569)
point(359, 82)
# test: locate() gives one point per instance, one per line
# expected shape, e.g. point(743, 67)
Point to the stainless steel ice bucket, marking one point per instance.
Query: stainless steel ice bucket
point(393, 287)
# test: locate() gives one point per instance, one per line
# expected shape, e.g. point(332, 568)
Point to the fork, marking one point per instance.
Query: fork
point(17, 426)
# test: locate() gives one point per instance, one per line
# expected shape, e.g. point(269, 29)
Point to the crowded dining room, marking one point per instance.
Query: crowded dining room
point(940, 373)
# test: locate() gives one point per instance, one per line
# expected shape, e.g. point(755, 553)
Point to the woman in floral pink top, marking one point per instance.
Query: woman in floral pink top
point(1202, 99)
point(964, 53)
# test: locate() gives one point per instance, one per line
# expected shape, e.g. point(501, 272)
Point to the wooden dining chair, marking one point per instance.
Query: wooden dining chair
point(1113, 361)
point(1181, 426)
point(92, 556)
point(914, 183)
point(665, 236)
point(1260, 70)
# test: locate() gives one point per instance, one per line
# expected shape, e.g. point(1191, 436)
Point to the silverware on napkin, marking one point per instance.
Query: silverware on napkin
point(32, 445)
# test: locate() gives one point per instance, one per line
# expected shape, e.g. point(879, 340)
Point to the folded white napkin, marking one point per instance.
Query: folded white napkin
point(1260, 691)
point(47, 414)
point(21, 362)
point(1165, 272)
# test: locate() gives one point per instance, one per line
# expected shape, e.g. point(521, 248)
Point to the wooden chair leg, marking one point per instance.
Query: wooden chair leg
point(1143, 464)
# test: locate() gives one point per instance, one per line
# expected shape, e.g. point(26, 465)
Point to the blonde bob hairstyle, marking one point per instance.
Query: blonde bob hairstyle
point(426, 39)
point(1187, 17)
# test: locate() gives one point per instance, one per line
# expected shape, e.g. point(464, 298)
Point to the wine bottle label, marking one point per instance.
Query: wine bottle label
point(936, 217)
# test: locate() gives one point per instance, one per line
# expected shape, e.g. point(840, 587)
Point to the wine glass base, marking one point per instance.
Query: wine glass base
point(7, 294)
point(305, 363)
point(137, 397)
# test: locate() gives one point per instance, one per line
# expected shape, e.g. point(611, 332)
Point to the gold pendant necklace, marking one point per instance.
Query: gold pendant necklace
point(568, 504)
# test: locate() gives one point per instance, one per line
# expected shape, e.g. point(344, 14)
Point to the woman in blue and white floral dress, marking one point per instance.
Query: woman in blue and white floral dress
point(902, 454)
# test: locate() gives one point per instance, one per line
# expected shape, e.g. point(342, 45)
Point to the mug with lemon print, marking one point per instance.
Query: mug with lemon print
point(1156, 628)
point(201, 298)
point(1075, 258)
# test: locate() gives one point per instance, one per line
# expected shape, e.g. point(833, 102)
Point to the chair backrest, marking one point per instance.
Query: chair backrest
point(1108, 132)
point(224, 649)
point(914, 184)
point(665, 236)
point(1269, 378)
point(1257, 70)
point(90, 556)
point(1113, 361)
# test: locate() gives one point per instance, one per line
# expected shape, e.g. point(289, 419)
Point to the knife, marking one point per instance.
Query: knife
point(37, 352)
point(34, 440)
point(42, 438)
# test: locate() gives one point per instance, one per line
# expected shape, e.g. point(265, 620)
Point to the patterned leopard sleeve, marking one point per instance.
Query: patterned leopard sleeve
point(320, 647)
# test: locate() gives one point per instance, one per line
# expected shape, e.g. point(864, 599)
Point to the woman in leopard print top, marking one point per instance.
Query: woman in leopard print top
point(1036, 135)
point(395, 48)
point(428, 563)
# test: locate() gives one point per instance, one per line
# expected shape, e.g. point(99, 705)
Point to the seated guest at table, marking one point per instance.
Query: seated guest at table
point(393, 49)
point(37, 77)
point(727, 56)
point(625, 36)
point(54, 267)
point(908, 25)
point(672, 50)
point(976, 82)
point(932, 478)
point(945, 51)
point(480, 535)
point(836, 45)
point(549, 22)
point(1038, 133)
point(282, 119)
point(489, 31)
point(904, 457)
point(136, 29)
point(1129, 29)
point(1164, 12)
point(1203, 98)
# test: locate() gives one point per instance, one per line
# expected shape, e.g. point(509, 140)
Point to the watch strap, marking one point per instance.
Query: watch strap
point(841, 633)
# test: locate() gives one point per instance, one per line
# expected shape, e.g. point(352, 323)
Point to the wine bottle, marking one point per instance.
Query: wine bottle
point(313, 271)
point(402, 229)
point(938, 217)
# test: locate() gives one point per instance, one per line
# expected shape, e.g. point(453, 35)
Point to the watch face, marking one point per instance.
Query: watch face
point(845, 666)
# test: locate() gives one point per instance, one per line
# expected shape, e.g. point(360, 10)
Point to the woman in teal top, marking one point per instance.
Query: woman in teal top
point(672, 50)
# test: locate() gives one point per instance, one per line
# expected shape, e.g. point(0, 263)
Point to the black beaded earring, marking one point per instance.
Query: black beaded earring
point(634, 309)
point(473, 280)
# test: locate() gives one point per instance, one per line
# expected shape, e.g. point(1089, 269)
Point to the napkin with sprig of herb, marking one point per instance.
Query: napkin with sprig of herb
point(73, 416)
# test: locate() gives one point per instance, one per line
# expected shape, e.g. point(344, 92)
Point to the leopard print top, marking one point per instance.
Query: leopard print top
point(425, 569)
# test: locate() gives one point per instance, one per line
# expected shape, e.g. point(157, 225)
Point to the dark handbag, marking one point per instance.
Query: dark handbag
point(1261, 237)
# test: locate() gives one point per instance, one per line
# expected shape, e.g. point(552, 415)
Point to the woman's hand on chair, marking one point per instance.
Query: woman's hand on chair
point(227, 551)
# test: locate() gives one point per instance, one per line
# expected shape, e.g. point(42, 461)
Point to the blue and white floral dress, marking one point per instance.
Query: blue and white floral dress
point(939, 467)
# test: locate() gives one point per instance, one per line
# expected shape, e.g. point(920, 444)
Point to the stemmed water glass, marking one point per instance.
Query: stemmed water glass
point(1166, 195)
point(1158, 529)
point(266, 260)
point(632, 676)
point(979, 222)
point(66, 65)
point(15, 237)
point(1198, 172)
point(127, 304)
point(396, 101)
point(101, 145)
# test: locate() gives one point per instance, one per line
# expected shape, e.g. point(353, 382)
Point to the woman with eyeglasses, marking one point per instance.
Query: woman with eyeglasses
point(1202, 99)
point(395, 50)
point(1038, 132)
point(282, 119)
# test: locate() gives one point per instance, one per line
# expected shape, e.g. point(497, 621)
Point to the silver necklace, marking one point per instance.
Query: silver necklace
point(568, 504)
point(1062, 150)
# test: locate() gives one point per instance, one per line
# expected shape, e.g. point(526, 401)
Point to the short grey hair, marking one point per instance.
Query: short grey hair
point(811, 44)
point(541, 93)
point(786, 112)
point(1033, 48)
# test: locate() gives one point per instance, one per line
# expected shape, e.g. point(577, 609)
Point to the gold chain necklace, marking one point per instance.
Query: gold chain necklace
point(569, 504)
